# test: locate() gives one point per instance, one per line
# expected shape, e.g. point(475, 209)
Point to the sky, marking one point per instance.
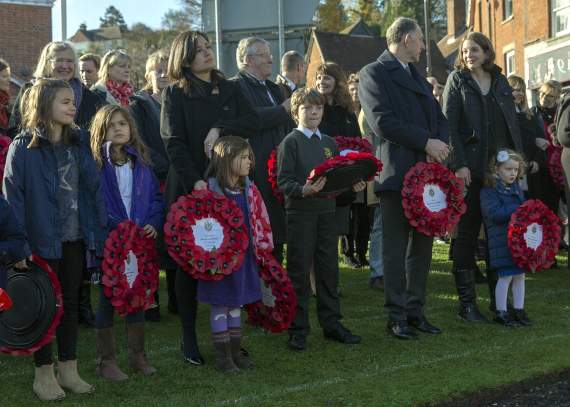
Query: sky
point(149, 12)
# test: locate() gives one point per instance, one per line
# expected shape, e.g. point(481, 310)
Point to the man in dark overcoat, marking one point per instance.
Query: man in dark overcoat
point(400, 109)
point(255, 61)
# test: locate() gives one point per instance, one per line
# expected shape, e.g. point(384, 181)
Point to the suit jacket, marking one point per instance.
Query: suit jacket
point(402, 111)
point(275, 124)
point(284, 85)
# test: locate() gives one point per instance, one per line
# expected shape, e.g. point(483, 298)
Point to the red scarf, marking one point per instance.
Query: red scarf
point(121, 92)
point(259, 220)
point(4, 99)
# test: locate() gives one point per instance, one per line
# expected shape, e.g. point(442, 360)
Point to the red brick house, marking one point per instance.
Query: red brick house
point(26, 27)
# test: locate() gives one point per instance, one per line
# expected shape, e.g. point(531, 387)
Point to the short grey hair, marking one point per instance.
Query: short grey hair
point(246, 48)
point(399, 28)
point(290, 61)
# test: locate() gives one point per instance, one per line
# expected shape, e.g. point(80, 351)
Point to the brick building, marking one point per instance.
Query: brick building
point(26, 28)
point(531, 37)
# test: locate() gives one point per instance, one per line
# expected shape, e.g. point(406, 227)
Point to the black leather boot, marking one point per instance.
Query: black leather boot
point(465, 283)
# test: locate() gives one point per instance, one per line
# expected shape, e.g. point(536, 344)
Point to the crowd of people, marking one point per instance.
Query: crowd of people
point(88, 151)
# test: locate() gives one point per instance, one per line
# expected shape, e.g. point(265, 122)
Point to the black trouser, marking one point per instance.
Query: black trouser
point(468, 230)
point(69, 271)
point(278, 249)
point(185, 287)
point(407, 259)
point(312, 239)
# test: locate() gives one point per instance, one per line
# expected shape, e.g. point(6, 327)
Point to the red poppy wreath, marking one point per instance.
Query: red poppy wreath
point(49, 334)
point(130, 268)
point(554, 163)
point(276, 310)
point(352, 144)
point(534, 236)
point(205, 235)
point(272, 176)
point(432, 198)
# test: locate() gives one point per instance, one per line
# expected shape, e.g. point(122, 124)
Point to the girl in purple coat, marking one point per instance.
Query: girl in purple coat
point(130, 191)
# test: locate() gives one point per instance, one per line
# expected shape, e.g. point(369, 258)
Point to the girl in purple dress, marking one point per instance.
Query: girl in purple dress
point(232, 160)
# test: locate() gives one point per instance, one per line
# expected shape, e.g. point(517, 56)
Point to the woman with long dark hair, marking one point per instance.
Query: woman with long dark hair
point(480, 110)
point(197, 108)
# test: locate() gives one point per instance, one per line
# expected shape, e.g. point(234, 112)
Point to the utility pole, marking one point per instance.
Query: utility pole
point(281, 22)
point(64, 20)
point(427, 22)
point(218, 23)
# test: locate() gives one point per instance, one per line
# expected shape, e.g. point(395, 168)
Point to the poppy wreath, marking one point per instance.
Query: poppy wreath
point(277, 313)
point(437, 223)
point(204, 264)
point(4, 144)
point(272, 176)
point(127, 237)
point(353, 144)
point(49, 335)
point(531, 213)
point(344, 161)
point(554, 163)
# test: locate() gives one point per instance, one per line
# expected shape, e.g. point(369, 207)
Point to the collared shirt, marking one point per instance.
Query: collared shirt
point(262, 82)
point(405, 66)
point(308, 132)
point(290, 83)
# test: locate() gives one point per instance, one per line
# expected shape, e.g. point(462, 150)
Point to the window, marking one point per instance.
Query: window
point(560, 17)
point(510, 63)
point(507, 9)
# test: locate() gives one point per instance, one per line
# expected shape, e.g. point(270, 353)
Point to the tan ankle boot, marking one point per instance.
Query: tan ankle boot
point(135, 342)
point(68, 378)
point(45, 385)
point(106, 356)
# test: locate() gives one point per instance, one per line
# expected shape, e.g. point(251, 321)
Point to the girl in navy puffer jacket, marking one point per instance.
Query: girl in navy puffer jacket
point(499, 199)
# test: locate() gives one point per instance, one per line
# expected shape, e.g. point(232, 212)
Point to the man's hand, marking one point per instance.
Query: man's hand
point(314, 187)
point(211, 138)
point(150, 231)
point(541, 143)
point(200, 185)
point(464, 174)
point(359, 186)
point(533, 167)
point(437, 149)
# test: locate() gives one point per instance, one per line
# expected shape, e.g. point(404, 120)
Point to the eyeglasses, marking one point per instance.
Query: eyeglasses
point(263, 55)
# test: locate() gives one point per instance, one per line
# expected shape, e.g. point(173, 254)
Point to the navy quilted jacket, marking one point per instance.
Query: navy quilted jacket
point(497, 206)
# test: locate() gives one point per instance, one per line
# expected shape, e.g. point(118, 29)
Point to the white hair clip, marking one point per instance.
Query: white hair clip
point(502, 156)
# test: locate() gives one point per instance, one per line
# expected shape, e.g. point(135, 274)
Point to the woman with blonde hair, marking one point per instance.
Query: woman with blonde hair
point(114, 84)
point(145, 109)
point(58, 61)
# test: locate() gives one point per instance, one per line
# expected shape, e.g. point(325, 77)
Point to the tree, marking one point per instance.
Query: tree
point(176, 20)
point(113, 18)
point(368, 11)
point(392, 9)
point(331, 16)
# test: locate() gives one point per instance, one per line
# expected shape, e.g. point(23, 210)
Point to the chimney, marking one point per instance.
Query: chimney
point(456, 16)
point(83, 27)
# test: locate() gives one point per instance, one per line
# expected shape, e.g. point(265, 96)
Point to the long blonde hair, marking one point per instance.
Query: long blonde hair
point(44, 68)
point(110, 59)
point(99, 127)
point(36, 106)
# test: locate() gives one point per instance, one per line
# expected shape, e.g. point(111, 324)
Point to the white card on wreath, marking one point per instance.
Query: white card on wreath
point(131, 268)
point(346, 152)
point(533, 236)
point(267, 297)
point(208, 234)
point(434, 198)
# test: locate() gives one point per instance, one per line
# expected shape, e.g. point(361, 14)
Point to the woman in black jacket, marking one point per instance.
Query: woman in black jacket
point(478, 103)
point(197, 108)
point(58, 61)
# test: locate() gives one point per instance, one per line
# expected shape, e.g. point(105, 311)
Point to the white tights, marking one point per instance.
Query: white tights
point(502, 289)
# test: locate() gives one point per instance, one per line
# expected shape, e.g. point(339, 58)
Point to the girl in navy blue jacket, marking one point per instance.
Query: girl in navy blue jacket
point(131, 191)
point(51, 183)
point(499, 199)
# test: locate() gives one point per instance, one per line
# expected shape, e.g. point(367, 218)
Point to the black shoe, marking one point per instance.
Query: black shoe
point(422, 324)
point(377, 283)
point(401, 330)
point(297, 342)
point(192, 359)
point(470, 313)
point(520, 316)
point(341, 334)
point(152, 314)
point(504, 318)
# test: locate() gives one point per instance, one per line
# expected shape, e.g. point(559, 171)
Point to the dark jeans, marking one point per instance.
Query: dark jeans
point(69, 271)
point(468, 229)
point(106, 311)
point(407, 259)
point(312, 240)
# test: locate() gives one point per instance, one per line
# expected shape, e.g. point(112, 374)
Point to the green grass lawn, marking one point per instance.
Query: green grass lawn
point(382, 371)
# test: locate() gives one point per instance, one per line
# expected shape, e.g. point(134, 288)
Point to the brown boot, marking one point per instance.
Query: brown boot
point(135, 341)
point(224, 361)
point(242, 361)
point(68, 378)
point(106, 356)
point(45, 385)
